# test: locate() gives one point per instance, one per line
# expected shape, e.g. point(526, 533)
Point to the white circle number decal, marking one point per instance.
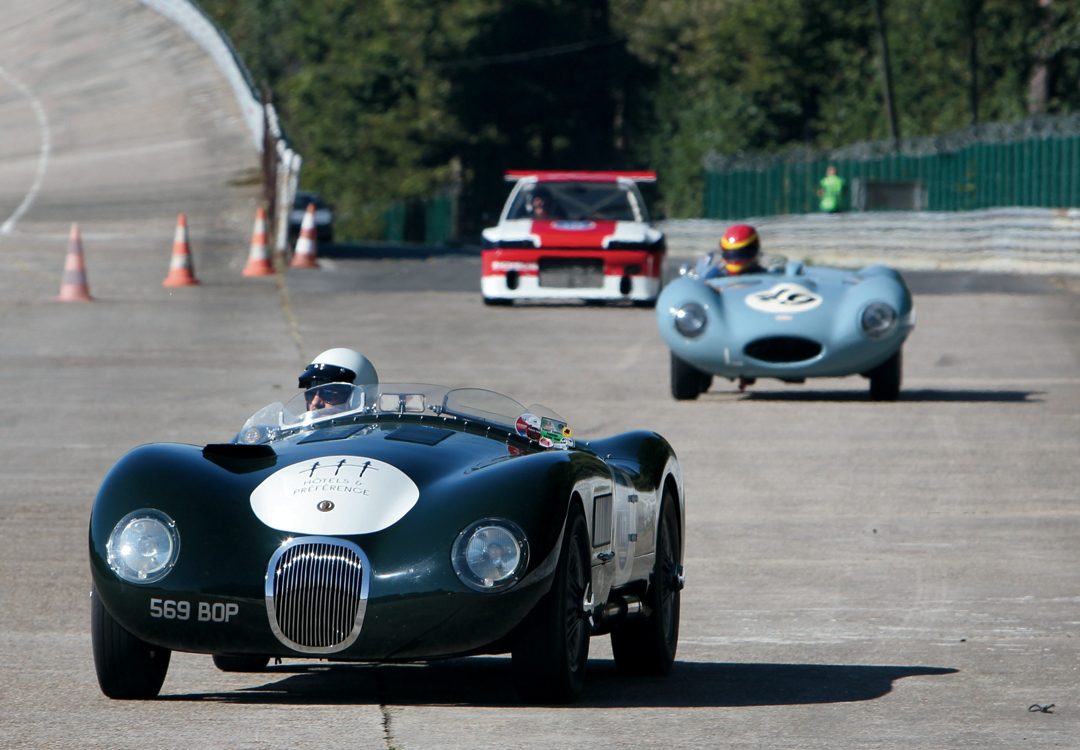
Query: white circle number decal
point(784, 298)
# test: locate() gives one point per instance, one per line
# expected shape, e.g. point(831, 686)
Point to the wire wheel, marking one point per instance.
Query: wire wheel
point(551, 650)
point(648, 645)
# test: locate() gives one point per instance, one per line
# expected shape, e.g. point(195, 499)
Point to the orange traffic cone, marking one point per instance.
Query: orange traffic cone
point(258, 263)
point(73, 286)
point(181, 272)
point(306, 243)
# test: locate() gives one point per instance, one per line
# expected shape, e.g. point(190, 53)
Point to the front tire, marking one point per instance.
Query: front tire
point(648, 645)
point(687, 381)
point(885, 379)
point(551, 650)
point(127, 667)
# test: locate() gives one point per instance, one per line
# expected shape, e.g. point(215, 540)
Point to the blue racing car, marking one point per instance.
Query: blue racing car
point(793, 322)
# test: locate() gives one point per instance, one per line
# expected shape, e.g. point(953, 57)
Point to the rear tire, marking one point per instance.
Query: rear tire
point(687, 381)
point(551, 649)
point(885, 379)
point(241, 662)
point(497, 302)
point(648, 645)
point(127, 667)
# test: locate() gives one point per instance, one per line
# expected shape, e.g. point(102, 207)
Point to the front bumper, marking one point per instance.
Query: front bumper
point(420, 612)
point(571, 274)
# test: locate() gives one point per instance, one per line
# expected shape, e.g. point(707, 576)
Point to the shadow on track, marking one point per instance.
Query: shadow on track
point(483, 681)
point(923, 395)
point(394, 250)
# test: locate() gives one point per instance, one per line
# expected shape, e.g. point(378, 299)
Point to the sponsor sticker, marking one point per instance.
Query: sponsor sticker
point(515, 265)
point(550, 433)
point(528, 425)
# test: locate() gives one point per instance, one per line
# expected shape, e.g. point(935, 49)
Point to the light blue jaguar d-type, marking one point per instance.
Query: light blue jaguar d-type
point(792, 323)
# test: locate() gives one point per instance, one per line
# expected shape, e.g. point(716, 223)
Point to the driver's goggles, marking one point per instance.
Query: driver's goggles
point(742, 254)
point(333, 394)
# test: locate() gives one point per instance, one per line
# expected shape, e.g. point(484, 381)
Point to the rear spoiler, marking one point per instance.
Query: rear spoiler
point(543, 175)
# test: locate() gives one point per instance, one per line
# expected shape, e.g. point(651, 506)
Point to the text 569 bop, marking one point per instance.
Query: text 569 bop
point(178, 609)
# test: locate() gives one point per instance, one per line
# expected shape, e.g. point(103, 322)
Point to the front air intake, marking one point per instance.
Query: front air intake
point(316, 594)
point(783, 349)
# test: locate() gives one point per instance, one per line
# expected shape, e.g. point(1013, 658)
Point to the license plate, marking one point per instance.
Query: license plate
point(572, 273)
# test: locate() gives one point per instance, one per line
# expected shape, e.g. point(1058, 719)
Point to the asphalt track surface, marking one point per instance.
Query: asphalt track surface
point(859, 574)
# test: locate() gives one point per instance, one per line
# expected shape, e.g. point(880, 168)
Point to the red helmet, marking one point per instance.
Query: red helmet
point(740, 247)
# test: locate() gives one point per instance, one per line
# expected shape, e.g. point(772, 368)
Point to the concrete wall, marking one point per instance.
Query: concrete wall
point(1020, 239)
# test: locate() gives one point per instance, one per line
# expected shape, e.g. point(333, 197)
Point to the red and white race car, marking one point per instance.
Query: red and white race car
point(573, 236)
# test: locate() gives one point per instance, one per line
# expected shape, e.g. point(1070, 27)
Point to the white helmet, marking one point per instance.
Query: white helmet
point(339, 366)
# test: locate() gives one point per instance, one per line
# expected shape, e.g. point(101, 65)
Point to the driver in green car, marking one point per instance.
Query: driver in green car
point(326, 379)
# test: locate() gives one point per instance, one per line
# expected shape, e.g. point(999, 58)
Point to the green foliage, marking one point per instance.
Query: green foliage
point(361, 92)
point(397, 100)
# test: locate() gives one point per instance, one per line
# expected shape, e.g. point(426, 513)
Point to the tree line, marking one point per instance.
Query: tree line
point(392, 100)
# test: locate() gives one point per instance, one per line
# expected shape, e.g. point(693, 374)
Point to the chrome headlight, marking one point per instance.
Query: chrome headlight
point(878, 320)
point(490, 555)
point(690, 319)
point(143, 547)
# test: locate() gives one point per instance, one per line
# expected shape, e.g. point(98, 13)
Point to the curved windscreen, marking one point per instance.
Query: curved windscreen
point(343, 403)
point(578, 201)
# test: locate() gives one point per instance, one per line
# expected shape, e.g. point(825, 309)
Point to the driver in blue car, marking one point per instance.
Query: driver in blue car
point(328, 378)
point(740, 253)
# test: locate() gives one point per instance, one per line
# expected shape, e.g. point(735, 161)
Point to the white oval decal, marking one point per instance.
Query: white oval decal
point(784, 298)
point(335, 495)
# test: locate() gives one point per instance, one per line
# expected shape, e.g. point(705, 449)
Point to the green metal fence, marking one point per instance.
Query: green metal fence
point(394, 223)
point(1039, 171)
point(431, 221)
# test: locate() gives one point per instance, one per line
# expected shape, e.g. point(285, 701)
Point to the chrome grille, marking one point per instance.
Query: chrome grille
point(601, 534)
point(316, 594)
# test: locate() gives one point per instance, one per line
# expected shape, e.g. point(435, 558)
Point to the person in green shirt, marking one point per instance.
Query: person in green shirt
point(831, 190)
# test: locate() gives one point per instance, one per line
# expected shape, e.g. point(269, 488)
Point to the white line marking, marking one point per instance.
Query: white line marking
point(43, 154)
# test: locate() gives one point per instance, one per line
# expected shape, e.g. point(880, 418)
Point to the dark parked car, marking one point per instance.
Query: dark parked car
point(324, 217)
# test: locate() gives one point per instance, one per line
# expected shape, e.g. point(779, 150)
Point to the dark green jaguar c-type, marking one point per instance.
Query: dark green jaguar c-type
point(389, 523)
